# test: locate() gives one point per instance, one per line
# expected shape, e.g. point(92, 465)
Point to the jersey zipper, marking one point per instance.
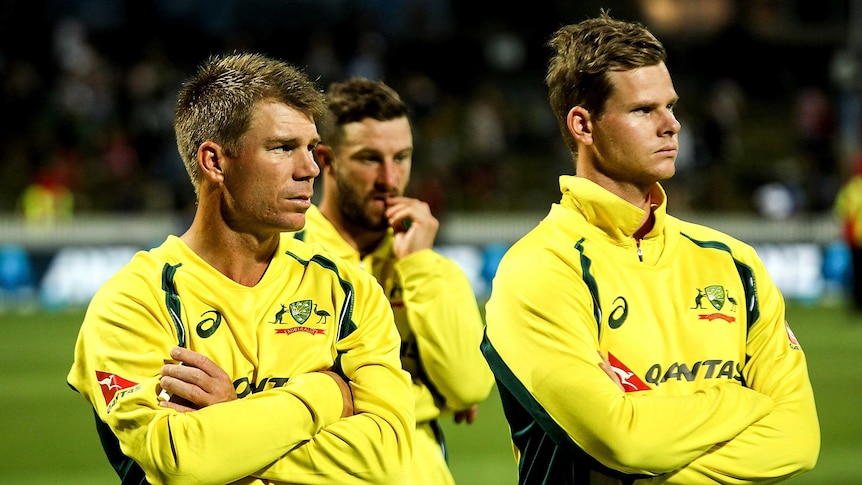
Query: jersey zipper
point(640, 251)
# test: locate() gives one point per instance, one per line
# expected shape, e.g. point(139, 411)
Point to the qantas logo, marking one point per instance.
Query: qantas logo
point(677, 371)
point(630, 382)
point(794, 344)
point(704, 369)
point(112, 385)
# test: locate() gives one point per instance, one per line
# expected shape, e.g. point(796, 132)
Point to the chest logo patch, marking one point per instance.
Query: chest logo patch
point(396, 297)
point(717, 296)
point(619, 313)
point(210, 323)
point(300, 311)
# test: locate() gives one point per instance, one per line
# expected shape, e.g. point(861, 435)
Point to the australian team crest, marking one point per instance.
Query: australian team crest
point(300, 310)
point(716, 295)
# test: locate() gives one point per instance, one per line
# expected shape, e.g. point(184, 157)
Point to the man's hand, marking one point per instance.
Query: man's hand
point(196, 382)
point(415, 226)
point(346, 393)
point(609, 370)
point(467, 415)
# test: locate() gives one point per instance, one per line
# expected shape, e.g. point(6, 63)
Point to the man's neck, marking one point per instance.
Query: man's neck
point(648, 220)
point(243, 258)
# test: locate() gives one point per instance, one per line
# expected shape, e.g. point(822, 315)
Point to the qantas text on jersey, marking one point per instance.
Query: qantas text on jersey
point(704, 369)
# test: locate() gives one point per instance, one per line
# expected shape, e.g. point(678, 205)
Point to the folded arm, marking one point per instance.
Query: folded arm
point(293, 432)
point(786, 442)
point(444, 316)
point(635, 433)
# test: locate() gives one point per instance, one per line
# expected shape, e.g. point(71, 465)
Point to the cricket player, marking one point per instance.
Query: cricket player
point(630, 346)
point(365, 218)
point(235, 353)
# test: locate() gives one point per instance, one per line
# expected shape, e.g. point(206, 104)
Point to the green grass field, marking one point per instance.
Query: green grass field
point(47, 434)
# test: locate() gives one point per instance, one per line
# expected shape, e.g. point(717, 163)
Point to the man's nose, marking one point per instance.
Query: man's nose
point(389, 174)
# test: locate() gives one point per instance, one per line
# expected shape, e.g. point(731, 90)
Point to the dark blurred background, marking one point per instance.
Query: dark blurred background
point(771, 107)
point(770, 95)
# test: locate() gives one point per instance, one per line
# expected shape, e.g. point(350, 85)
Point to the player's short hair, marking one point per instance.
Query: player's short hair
point(583, 55)
point(217, 102)
point(354, 100)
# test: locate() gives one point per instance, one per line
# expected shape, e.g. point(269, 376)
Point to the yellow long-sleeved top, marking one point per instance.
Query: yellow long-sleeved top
point(716, 385)
point(848, 210)
point(439, 321)
point(308, 313)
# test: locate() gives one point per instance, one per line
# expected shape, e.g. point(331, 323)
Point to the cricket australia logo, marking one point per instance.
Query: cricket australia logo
point(716, 295)
point(300, 311)
point(396, 296)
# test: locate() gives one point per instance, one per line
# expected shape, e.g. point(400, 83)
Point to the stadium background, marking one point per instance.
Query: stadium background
point(771, 106)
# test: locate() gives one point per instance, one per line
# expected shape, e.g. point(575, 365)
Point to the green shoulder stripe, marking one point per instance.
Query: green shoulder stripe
point(746, 275)
point(346, 326)
point(172, 300)
point(590, 281)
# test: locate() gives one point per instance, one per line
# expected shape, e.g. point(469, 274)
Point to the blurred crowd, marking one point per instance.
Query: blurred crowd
point(88, 90)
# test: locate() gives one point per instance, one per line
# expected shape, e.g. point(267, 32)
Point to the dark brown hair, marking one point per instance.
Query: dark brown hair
point(354, 100)
point(583, 55)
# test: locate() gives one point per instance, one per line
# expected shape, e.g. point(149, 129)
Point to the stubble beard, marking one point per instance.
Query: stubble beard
point(356, 209)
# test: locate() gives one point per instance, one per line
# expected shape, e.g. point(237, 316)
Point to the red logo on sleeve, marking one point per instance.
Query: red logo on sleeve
point(111, 384)
point(794, 344)
point(631, 382)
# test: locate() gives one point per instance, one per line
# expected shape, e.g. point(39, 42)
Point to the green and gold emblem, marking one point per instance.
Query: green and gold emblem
point(300, 310)
point(715, 294)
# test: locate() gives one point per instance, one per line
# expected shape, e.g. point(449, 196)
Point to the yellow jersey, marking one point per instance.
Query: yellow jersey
point(310, 312)
point(440, 325)
point(716, 387)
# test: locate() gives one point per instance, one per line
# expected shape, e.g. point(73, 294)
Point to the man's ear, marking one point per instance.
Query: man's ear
point(324, 155)
point(210, 160)
point(579, 122)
